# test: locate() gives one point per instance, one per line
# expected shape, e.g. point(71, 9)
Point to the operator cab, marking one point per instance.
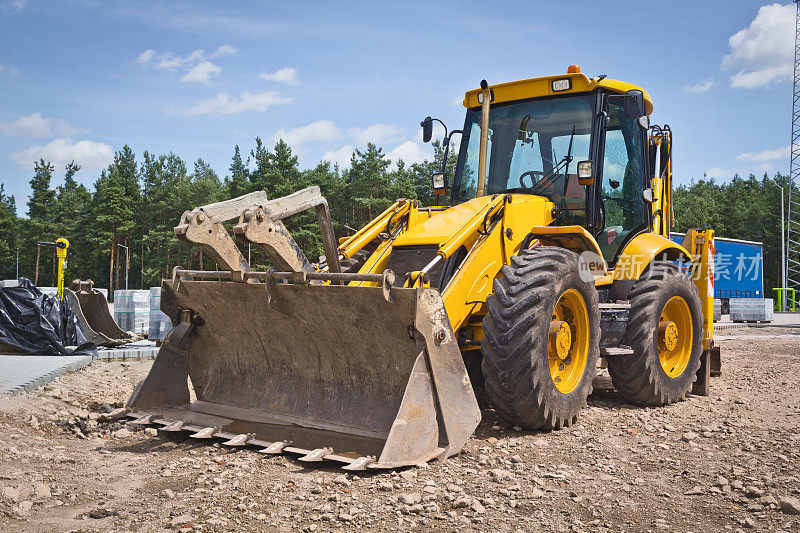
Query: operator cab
point(542, 131)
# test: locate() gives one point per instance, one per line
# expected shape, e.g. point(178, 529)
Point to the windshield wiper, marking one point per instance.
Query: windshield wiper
point(550, 176)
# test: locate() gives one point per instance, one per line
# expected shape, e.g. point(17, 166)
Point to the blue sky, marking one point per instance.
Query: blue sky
point(79, 79)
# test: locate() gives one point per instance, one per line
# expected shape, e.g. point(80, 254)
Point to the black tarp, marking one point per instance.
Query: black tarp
point(36, 323)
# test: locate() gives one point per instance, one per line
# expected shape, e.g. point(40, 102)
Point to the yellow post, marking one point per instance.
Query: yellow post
point(62, 245)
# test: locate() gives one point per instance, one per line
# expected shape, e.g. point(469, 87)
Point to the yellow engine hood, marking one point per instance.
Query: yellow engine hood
point(443, 224)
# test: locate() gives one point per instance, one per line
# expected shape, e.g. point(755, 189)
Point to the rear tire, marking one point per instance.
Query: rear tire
point(653, 374)
point(528, 383)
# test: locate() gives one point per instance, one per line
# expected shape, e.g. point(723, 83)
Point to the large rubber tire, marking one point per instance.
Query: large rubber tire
point(516, 330)
point(640, 377)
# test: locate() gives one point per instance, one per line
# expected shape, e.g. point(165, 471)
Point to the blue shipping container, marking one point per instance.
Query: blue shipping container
point(738, 268)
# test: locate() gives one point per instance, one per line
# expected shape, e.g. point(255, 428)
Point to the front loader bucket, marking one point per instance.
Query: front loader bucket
point(94, 318)
point(352, 374)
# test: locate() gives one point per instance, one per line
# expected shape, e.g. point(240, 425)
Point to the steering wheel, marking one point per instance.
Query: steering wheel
point(535, 176)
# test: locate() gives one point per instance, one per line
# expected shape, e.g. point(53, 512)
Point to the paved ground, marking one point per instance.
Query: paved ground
point(23, 373)
point(726, 462)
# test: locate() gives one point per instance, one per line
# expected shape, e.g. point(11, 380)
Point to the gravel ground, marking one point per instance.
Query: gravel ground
point(729, 461)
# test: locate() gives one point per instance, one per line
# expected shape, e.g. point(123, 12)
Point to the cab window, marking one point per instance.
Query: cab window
point(624, 209)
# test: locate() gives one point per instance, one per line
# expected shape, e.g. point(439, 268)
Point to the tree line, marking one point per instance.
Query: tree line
point(136, 203)
point(742, 208)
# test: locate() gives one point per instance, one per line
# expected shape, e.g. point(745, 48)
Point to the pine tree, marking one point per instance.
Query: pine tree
point(41, 211)
point(239, 181)
point(369, 184)
point(8, 235)
point(72, 202)
point(42, 202)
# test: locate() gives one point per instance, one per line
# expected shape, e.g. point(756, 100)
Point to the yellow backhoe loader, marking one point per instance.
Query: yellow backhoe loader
point(553, 251)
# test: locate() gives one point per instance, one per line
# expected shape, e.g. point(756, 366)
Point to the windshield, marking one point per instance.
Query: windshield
point(534, 148)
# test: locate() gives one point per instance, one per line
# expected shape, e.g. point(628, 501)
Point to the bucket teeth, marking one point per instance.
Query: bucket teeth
point(116, 414)
point(275, 447)
point(238, 440)
point(359, 464)
point(316, 455)
point(205, 433)
point(175, 426)
point(144, 420)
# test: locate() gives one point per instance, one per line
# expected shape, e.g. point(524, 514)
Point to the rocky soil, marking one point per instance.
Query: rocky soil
point(726, 462)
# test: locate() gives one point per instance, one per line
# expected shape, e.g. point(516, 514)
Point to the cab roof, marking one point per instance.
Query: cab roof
point(541, 87)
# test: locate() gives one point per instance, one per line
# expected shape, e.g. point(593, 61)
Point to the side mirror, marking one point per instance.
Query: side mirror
point(634, 104)
point(648, 195)
point(585, 173)
point(427, 129)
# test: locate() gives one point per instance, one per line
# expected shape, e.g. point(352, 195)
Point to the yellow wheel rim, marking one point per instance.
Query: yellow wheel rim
point(675, 333)
point(568, 343)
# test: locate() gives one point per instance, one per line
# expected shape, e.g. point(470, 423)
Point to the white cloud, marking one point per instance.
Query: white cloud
point(766, 155)
point(377, 133)
point(716, 172)
point(195, 66)
point(145, 56)
point(169, 61)
point(36, 125)
point(287, 75)
point(89, 155)
point(701, 87)
point(322, 130)
point(410, 152)
point(13, 6)
point(225, 50)
point(763, 53)
point(11, 71)
point(339, 157)
point(202, 72)
point(224, 104)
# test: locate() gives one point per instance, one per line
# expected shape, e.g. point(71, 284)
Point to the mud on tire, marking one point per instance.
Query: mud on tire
point(516, 334)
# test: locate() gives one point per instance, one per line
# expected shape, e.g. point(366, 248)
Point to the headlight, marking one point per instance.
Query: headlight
point(561, 85)
point(585, 169)
point(438, 181)
point(585, 173)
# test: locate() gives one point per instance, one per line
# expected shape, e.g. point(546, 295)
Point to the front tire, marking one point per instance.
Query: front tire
point(541, 339)
point(665, 331)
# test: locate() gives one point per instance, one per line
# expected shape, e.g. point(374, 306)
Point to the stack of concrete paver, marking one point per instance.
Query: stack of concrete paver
point(132, 310)
point(159, 322)
point(751, 309)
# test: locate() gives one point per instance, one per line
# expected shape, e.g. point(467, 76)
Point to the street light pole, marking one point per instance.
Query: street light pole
point(127, 264)
point(783, 250)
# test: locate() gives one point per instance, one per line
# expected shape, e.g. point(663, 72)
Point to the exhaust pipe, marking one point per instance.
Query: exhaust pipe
point(486, 97)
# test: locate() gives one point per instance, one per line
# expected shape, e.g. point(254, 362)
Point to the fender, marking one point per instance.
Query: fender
point(574, 238)
point(642, 250)
point(578, 240)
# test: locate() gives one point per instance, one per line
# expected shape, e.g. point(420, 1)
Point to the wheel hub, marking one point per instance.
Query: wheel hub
point(667, 335)
point(560, 339)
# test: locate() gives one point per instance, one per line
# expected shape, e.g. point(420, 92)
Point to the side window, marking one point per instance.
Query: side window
point(624, 208)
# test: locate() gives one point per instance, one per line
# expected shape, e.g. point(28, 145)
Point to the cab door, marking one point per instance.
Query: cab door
point(624, 210)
